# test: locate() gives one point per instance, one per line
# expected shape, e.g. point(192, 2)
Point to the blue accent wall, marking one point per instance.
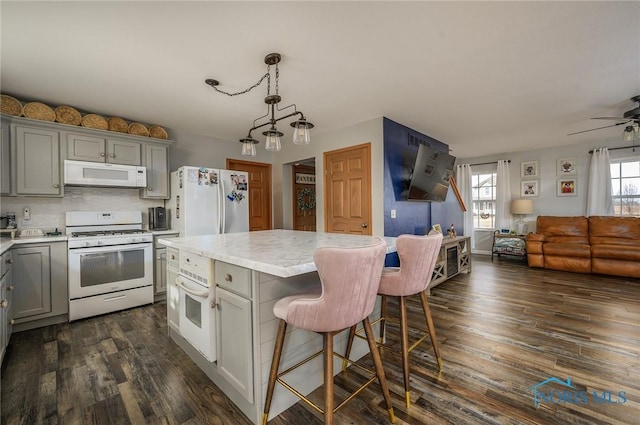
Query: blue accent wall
point(400, 150)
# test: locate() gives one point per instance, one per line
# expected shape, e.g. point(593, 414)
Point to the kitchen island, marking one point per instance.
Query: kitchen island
point(252, 271)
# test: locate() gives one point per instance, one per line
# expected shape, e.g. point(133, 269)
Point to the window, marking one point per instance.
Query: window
point(483, 186)
point(625, 187)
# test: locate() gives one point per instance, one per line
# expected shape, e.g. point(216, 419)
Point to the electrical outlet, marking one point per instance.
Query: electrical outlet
point(393, 213)
point(27, 213)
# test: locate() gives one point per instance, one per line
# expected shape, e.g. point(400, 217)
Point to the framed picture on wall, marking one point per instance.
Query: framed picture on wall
point(529, 169)
point(566, 187)
point(529, 188)
point(566, 167)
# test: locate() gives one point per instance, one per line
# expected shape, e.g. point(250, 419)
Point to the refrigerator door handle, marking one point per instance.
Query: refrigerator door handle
point(222, 216)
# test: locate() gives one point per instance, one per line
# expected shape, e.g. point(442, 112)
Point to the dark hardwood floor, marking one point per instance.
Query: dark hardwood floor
point(502, 330)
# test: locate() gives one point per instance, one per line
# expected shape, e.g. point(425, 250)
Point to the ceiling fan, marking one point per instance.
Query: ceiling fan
point(631, 119)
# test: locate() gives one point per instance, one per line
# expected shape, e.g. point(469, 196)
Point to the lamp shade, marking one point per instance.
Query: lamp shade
point(522, 206)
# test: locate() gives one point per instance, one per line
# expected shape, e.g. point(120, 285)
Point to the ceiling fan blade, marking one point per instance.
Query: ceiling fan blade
point(599, 128)
point(610, 118)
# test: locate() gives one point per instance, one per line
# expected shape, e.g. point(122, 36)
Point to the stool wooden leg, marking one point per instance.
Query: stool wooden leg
point(275, 364)
point(375, 354)
point(352, 334)
point(404, 335)
point(328, 377)
point(383, 316)
point(432, 329)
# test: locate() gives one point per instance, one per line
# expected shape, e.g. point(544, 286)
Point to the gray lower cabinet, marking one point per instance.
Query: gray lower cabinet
point(6, 302)
point(234, 343)
point(85, 147)
point(40, 281)
point(160, 264)
point(156, 159)
point(37, 161)
point(234, 326)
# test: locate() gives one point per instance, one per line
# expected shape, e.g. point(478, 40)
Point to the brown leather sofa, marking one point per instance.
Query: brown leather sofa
point(604, 245)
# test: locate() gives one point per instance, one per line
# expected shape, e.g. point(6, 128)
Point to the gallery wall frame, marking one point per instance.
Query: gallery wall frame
point(566, 187)
point(566, 167)
point(529, 188)
point(529, 169)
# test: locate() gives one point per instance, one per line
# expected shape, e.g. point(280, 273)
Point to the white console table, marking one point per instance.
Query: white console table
point(454, 258)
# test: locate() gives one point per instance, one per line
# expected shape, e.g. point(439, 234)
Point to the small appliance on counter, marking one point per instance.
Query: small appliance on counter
point(8, 220)
point(158, 219)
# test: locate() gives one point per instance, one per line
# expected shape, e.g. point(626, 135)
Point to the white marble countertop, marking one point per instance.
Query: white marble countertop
point(283, 253)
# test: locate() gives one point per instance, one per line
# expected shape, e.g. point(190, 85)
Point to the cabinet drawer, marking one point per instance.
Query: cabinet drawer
point(172, 257)
point(234, 278)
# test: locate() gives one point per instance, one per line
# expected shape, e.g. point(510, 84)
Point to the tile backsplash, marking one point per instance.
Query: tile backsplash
point(49, 213)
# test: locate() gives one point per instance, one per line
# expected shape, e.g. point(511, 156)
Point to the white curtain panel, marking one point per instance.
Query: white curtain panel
point(464, 182)
point(599, 201)
point(503, 195)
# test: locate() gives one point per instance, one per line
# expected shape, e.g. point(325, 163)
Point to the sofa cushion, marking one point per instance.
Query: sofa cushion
point(561, 249)
point(568, 230)
point(614, 230)
point(616, 252)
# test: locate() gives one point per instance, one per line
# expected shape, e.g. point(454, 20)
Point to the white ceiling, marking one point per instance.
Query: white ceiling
point(483, 77)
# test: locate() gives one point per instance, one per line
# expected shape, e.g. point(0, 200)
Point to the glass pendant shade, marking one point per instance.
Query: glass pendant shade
point(248, 149)
point(273, 140)
point(301, 134)
point(628, 133)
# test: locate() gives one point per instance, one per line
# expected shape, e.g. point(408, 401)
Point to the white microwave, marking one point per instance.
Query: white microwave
point(82, 173)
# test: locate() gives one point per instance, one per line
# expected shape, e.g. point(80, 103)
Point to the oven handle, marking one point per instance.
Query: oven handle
point(202, 294)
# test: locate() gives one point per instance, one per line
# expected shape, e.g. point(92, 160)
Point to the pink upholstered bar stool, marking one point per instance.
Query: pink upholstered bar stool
point(418, 255)
point(349, 278)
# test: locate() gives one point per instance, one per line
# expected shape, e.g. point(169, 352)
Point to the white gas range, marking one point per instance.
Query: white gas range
point(110, 262)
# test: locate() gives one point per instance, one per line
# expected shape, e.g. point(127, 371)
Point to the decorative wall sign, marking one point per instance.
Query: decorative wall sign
point(566, 167)
point(529, 188)
point(529, 169)
point(567, 187)
point(305, 178)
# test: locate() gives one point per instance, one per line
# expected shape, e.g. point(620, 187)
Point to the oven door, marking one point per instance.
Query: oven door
point(197, 318)
point(100, 270)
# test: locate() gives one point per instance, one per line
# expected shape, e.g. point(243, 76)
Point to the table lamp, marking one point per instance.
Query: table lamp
point(521, 208)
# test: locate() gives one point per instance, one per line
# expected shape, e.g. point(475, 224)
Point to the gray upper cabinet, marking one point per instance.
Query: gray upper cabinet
point(83, 147)
point(5, 159)
point(156, 159)
point(37, 154)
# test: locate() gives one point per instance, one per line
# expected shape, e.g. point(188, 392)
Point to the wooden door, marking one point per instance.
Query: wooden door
point(259, 192)
point(304, 217)
point(347, 184)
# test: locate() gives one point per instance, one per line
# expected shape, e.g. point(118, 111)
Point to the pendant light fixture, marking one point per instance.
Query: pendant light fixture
point(629, 133)
point(301, 126)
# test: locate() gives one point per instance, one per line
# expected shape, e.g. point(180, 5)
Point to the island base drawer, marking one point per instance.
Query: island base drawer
point(234, 278)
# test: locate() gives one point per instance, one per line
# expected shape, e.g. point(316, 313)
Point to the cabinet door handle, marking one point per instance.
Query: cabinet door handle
point(112, 155)
point(56, 185)
point(10, 261)
point(214, 305)
point(10, 288)
point(364, 225)
point(228, 277)
point(149, 189)
point(4, 303)
point(102, 154)
point(12, 321)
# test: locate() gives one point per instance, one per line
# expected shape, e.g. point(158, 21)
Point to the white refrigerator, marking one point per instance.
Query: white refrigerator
point(206, 201)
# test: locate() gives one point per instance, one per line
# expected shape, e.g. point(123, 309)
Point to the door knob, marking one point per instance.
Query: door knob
point(364, 225)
